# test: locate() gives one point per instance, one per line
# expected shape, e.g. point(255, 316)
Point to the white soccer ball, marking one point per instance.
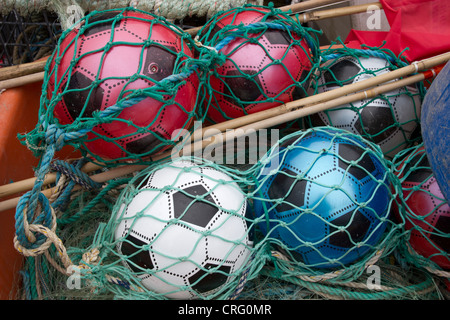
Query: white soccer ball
point(183, 230)
point(388, 120)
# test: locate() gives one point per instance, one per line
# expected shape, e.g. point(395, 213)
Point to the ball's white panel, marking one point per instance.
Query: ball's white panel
point(179, 248)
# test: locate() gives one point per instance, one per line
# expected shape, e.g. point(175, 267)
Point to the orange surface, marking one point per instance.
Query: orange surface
point(18, 114)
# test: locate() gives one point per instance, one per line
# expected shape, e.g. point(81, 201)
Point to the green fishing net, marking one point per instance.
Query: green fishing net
point(290, 213)
point(425, 212)
point(267, 65)
point(118, 87)
point(193, 229)
point(391, 120)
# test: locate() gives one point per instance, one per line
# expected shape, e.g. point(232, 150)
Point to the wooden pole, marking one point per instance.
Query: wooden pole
point(308, 5)
point(366, 93)
point(21, 81)
point(419, 66)
point(332, 94)
point(22, 69)
point(27, 184)
point(337, 12)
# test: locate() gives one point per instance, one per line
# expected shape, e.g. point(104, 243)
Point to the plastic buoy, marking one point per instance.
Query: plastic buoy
point(436, 128)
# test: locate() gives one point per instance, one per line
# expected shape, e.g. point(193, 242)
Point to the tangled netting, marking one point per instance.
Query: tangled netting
point(399, 109)
point(321, 212)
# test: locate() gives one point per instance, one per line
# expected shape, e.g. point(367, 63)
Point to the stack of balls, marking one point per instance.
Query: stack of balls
point(183, 228)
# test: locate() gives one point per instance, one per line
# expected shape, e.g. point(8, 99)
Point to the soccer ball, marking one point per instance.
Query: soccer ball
point(266, 70)
point(325, 205)
point(184, 231)
point(427, 211)
point(389, 120)
point(112, 54)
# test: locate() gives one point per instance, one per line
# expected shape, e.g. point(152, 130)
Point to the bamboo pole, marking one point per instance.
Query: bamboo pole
point(295, 113)
point(22, 69)
point(418, 66)
point(362, 95)
point(27, 184)
point(332, 94)
point(337, 12)
point(21, 81)
point(308, 5)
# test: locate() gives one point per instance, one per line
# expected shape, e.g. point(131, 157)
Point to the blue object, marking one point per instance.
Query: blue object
point(435, 121)
point(323, 205)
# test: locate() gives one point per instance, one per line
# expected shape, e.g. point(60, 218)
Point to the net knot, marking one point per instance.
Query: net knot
point(45, 218)
point(55, 135)
point(34, 237)
point(91, 257)
point(211, 56)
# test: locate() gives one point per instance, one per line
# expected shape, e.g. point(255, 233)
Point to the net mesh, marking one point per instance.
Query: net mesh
point(424, 212)
point(88, 98)
point(399, 109)
point(312, 217)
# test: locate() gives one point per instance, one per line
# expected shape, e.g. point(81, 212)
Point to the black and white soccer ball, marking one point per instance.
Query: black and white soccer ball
point(389, 120)
point(182, 230)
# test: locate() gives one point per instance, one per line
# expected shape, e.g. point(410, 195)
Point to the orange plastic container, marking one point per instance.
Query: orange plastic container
point(18, 114)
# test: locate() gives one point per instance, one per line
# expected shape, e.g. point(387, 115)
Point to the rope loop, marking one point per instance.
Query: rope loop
point(24, 234)
point(35, 238)
point(55, 136)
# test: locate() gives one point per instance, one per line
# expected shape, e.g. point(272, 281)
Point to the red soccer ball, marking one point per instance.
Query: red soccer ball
point(260, 72)
point(427, 211)
point(109, 56)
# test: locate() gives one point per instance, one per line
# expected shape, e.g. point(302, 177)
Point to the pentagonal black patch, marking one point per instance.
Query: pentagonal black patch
point(77, 96)
point(190, 210)
point(209, 281)
point(351, 152)
point(341, 73)
point(97, 26)
point(243, 88)
point(422, 171)
point(316, 120)
point(300, 90)
point(277, 37)
point(134, 253)
point(356, 231)
point(281, 188)
point(443, 225)
point(377, 122)
point(159, 62)
point(416, 134)
point(140, 181)
point(212, 32)
point(146, 143)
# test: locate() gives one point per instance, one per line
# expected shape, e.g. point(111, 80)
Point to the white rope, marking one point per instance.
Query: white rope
point(330, 275)
point(70, 11)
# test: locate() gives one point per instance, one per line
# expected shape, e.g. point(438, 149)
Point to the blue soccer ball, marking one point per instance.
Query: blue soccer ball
point(327, 202)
